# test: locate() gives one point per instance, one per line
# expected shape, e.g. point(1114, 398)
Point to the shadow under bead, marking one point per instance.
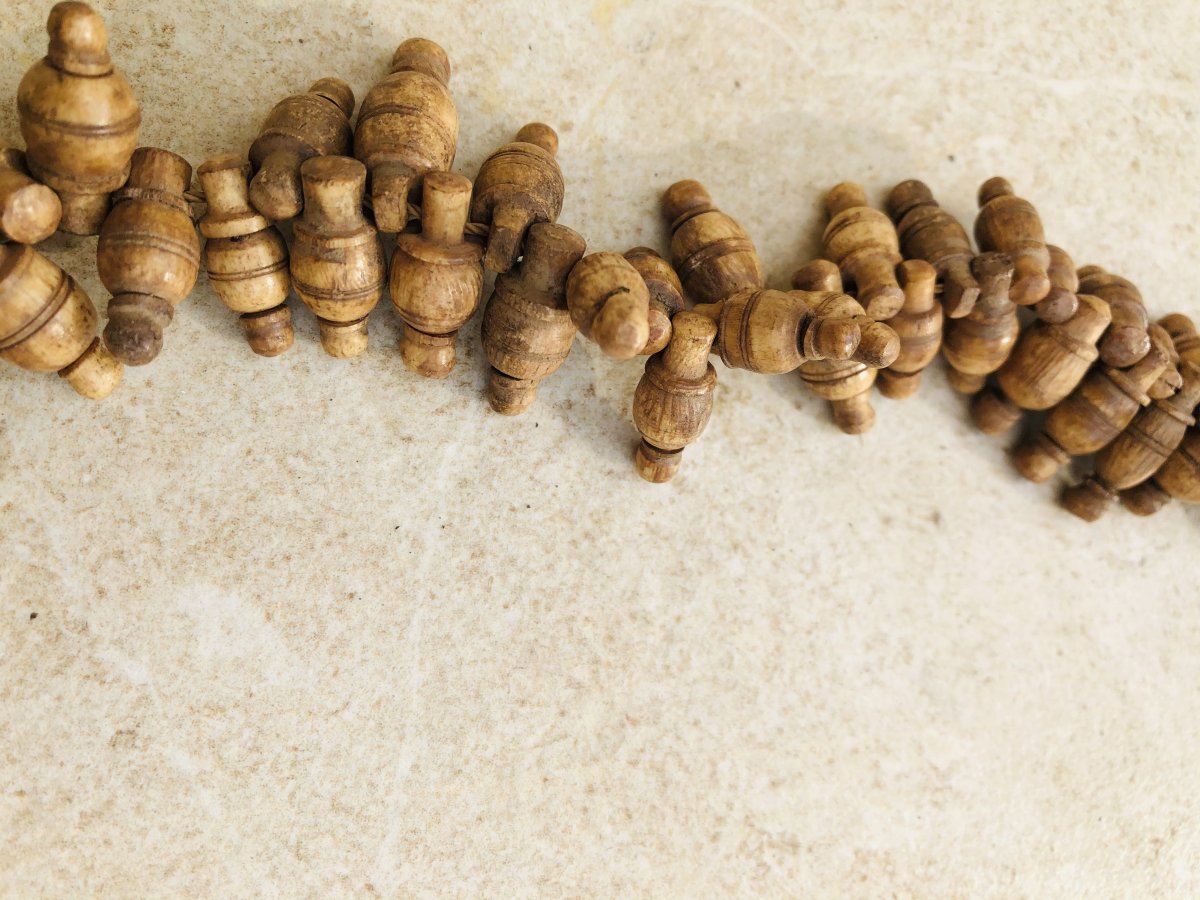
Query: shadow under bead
point(29, 211)
point(79, 118)
point(919, 327)
point(436, 277)
point(610, 304)
point(978, 344)
point(337, 262)
point(863, 243)
point(928, 232)
point(1047, 363)
point(246, 257)
point(712, 254)
point(48, 324)
point(666, 295)
point(300, 127)
point(527, 328)
point(407, 126)
point(674, 398)
point(1009, 224)
point(518, 185)
point(1126, 340)
point(148, 255)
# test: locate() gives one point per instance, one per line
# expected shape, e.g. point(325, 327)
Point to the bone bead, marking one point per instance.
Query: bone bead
point(246, 257)
point(29, 211)
point(863, 243)
point(919, 327)
point(666, 295)
point(518, 185)
point(1098, 410)
point(48, 324)
point(527, 328)
point(436, 278)
point(1009, 224)
point(315, 123)
point(337, 262)
point(610, 304)
point(1047, 363)
point(713, 255)
point(1126, 341)
point(674, 398)
point(407, 127)
point(1063, 300)
point(930, 233)
point(1139, 451)
point(978, 344)
point(148, 255)
point(79, 118)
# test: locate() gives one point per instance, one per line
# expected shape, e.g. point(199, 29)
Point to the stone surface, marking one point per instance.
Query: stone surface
point(303, 627)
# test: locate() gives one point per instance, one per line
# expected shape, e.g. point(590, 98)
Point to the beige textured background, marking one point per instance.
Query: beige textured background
point(315, 628)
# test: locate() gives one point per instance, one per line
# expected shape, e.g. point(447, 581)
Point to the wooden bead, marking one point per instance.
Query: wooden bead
point(315, 123)
point(337, 261)
point(1171, 380)
point(518, 185)
point(246, 257)
point(436, 278)
point(1178, 478)
point(978, 344)
point(919, 327)
point(1098, 410)
point(863, 243)
point(29, 211)
point(1063, 300)
point(48, 324)
point(1126, 341)
point(527, 328)
point(712, 254)
point(666, 295)
point(1184, 337)
point(407, 126)
point(1008, 224)
point(930, 233)
point(148, 255)
point(79, 118)
point(610, 304)
point(1047, 363)
point(1139, 451)
point(674, 398)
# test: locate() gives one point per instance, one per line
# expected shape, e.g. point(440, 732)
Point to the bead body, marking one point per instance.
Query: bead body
point(610, 304)
point(863, 243)
point(919, 327)
point(978, 344)
point(712, 254)
point(666, 295)
point(29, 211)
point(930, 233)
point(1126, 340)
point(1009, 224)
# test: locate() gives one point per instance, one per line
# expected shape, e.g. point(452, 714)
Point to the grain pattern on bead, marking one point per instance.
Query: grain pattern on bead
point(1009, 224)
point(1127, 339)
point(29, 211)
point(919, 328)
point(1063, 299)
point(666, 295)
point(610, 304)
point(978, 344)
point(711, 252)
point(863, 243)
point(930, 233)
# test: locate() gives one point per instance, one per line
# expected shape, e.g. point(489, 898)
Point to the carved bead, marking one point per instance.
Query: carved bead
point(1063, 300)
point(712, 254)
point(148, 255)
point(930, 233)
point(79, 118)
point(1009, 224)
point(29, 211)
point(666, 295)
point(919, 327)
point(978, 344)
point(610, 304)
point(518, 185)
point(863, 243)
point(1178, 478)
point(1126, 340)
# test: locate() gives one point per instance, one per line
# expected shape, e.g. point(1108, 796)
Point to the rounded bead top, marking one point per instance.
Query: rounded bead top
point(908, 195)
point(540, 135)
point(336, 92)
point(421, 55)
point(993, 188)
point(78, 39)
point(685, 199)
point(844, 196)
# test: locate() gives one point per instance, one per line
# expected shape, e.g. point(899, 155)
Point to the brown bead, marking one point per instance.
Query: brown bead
point(29, 211)
point(1009, 224)
point(1171, 380)
point(863, 243)
point(919, 327)
point(1063, 300)
point(1139, 451)
point(1178, 478)
point(978, 344)
point(1126, 340)
point(712, 253)
point(148, 255)
point(407, 126)
point(436, 278)
point(674, 399)
point(337, 263)
point(527, 328)
point(930, 233)
point(518, 185)
point(246, 257)
point(666, 295)
point(1046, 364)
point(1090, 418)
point(315, 123)
point(610, 304)
point(48, 323)
point(79, 118)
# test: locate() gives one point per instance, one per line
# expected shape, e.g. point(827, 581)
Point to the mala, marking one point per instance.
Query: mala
point(891, 291)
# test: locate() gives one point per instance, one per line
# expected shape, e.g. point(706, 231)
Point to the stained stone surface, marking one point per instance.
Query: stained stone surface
point(307, 627)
